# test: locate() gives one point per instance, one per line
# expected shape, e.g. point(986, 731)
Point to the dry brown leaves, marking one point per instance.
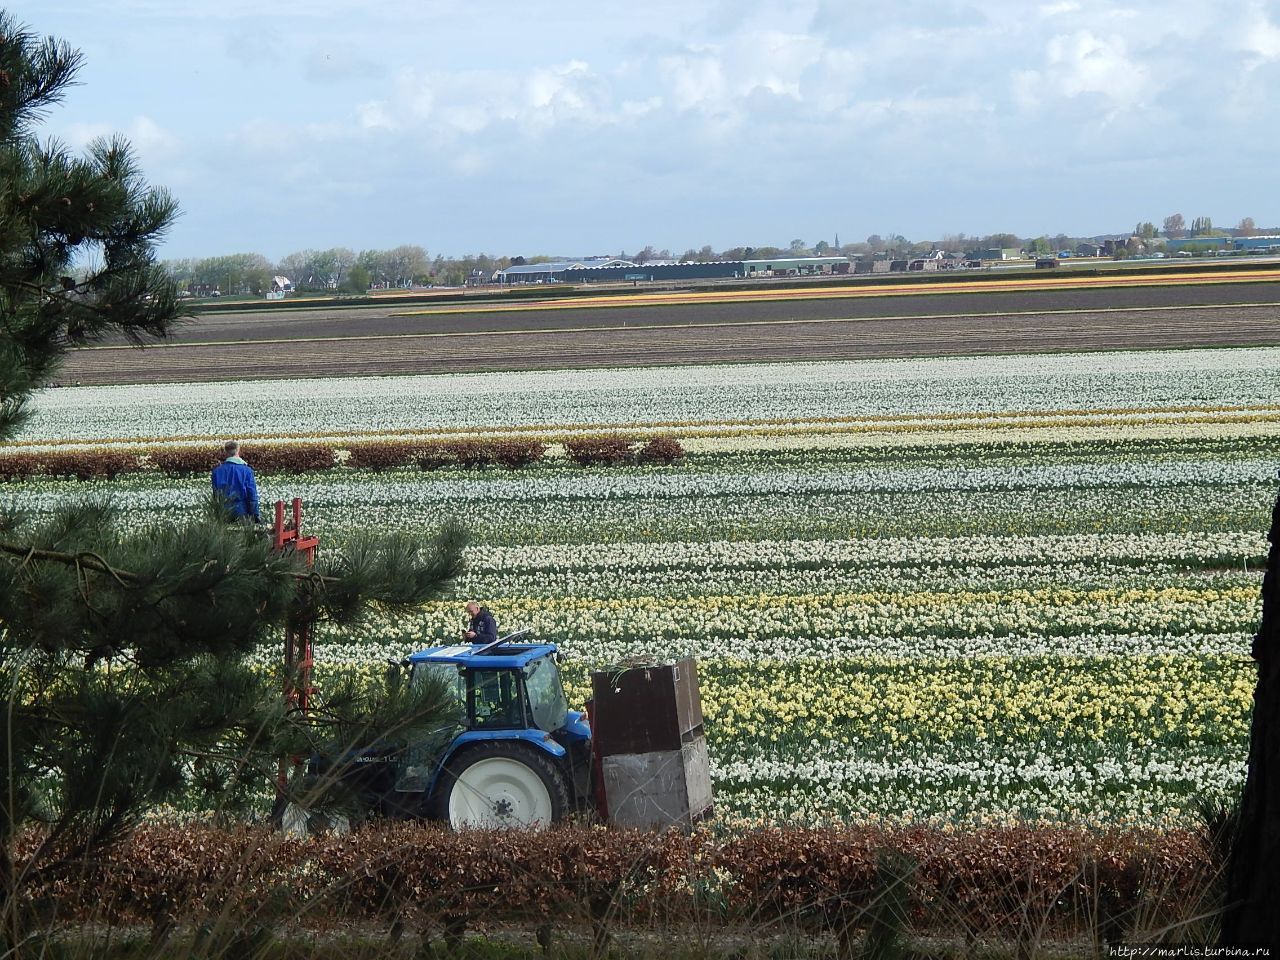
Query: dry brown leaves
point(984, 877)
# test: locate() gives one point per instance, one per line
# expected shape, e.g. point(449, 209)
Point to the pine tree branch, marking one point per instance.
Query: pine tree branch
point(85, 559)
point(88, 560)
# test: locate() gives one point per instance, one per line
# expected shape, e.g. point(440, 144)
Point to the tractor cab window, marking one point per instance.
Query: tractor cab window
point(448, 676)
point(546, 694)
point(497, 700)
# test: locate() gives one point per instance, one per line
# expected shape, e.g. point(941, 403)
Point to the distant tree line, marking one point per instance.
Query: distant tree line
point(336, 270)
point(342, 270)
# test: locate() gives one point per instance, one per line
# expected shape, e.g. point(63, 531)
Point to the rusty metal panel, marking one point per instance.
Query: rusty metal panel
point(641, 709)
point(663, 788)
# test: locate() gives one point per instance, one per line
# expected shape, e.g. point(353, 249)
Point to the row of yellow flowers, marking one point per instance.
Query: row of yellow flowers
point(935, 703)
point(591, 627)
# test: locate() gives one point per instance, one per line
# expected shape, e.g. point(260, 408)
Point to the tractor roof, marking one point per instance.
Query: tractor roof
point(508, 656)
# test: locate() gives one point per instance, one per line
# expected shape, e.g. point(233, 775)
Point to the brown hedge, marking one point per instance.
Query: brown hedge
point(661, 450)
point(289, 457)
point(824, 879)
point(382, 454)
point(434, 454)
point(607, 450)
point(294, 457)
point(511, 453)
point(95, 464)
point(181, 461)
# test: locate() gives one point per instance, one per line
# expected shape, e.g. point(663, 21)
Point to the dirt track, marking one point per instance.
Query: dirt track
point(374, 340)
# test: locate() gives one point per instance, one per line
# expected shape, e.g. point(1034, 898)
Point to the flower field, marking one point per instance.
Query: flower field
point(968, 590)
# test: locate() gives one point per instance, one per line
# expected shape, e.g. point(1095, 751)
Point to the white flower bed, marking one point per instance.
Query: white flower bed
point(697, 393)
point(934, 617)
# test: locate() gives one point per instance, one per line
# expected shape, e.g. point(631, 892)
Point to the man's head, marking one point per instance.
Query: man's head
point(472, 607)
point(231, 449)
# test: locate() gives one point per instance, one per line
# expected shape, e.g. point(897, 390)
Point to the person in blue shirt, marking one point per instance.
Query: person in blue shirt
point(233, 479)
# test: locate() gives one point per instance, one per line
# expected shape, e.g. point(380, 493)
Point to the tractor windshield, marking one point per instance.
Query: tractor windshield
point(546, 694)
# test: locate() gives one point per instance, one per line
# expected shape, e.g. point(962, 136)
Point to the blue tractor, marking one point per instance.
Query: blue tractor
point(516, 757)
point(513, 755)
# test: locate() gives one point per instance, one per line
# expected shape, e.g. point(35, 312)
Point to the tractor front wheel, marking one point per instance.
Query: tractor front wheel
point(499, 784)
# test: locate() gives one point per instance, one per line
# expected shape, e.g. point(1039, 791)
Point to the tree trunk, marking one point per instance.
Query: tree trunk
point(1252, 910)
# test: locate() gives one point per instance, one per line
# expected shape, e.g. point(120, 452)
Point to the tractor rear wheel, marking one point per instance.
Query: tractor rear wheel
point(499, 784)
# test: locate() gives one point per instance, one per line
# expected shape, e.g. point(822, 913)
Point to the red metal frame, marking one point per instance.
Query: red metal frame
point(298, 637)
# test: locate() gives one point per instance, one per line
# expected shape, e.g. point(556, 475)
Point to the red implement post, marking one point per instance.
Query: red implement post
point(297, 636)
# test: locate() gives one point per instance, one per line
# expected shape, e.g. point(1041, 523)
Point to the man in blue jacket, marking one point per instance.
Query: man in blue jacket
point(233, 479)
point(483, 628)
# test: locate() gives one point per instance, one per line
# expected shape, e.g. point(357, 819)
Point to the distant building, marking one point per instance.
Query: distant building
point(606, 270)
point(1088, 250)
point(992, 253)
point(280, 286)
point(553, 271)
point(1258, 244)
point(1255, 243)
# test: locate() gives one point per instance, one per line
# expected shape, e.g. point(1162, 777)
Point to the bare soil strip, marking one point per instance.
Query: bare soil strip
point(911, 287)
point(479, 350)
point(385, 320)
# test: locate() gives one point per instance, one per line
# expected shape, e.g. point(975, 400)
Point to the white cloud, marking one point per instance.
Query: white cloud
point(374, 116)
point(78, 135)
point(694, 80)
point(1083, 64)
point(151, 141)
point(686, 104)
point(1260, 36)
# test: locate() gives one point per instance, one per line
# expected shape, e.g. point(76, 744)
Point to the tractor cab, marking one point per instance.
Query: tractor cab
point(505, 688)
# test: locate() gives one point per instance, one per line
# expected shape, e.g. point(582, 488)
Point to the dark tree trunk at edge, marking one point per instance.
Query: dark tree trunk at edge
point(1252, 915)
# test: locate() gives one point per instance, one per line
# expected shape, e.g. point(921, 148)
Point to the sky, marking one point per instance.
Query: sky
point(592, 128)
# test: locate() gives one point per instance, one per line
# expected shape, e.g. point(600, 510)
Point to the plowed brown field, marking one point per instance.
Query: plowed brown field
point(385, 340)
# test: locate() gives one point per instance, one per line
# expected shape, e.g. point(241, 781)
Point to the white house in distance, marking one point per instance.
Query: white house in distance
point(279, 287)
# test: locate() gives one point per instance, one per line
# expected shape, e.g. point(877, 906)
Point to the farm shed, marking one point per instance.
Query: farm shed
point(623, 272)
point(552, 271)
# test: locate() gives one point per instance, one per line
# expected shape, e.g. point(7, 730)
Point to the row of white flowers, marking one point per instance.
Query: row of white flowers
point(685, 587)
point(337, 507)
point(403, 491)
point(697, 393)
point(633, 558)
point(973, 783)
point(373, 646)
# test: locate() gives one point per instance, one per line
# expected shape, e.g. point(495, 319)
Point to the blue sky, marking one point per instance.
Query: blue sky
point(590, 128)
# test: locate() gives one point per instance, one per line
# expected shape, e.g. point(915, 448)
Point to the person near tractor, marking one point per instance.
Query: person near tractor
point(483, 628)
point(233, 480)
